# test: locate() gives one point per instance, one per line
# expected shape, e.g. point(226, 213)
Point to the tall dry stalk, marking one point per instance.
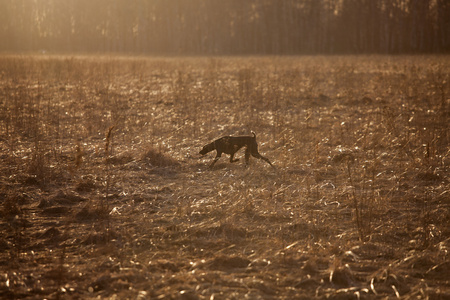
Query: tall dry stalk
point(356, 203)
point(108, 149)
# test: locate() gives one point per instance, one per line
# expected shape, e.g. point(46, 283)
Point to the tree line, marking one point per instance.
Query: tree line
point(226, 27)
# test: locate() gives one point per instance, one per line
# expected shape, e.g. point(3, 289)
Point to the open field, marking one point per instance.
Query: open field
point(104, 194)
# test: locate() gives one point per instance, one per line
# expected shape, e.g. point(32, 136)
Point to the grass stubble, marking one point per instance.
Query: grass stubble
point(105, 195)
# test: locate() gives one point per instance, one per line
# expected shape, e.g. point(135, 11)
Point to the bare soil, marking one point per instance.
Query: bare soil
point(104, 194)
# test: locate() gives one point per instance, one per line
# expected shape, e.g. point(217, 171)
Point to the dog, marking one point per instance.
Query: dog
point(231, 144)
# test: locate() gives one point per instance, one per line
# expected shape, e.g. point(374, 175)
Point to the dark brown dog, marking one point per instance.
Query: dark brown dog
point(231, 144)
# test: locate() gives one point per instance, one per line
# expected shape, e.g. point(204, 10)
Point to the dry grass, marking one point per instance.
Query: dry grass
point(105, 193)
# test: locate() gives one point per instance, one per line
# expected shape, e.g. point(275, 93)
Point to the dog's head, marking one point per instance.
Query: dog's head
point(204, 151)
point(208, 148)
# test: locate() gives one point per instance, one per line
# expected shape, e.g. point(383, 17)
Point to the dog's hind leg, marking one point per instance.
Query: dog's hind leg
point(247, 156)
point(231, 158)
point(268, 161)
point(257, 155)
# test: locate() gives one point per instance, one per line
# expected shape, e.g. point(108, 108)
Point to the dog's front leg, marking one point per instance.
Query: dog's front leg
point(215, 159)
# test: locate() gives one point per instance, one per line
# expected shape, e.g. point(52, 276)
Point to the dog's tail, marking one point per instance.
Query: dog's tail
point(254, 134)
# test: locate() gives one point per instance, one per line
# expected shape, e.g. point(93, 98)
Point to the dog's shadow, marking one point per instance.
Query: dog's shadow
point(238, 167)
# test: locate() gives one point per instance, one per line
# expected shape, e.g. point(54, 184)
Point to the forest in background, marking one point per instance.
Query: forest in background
point(230, 27)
